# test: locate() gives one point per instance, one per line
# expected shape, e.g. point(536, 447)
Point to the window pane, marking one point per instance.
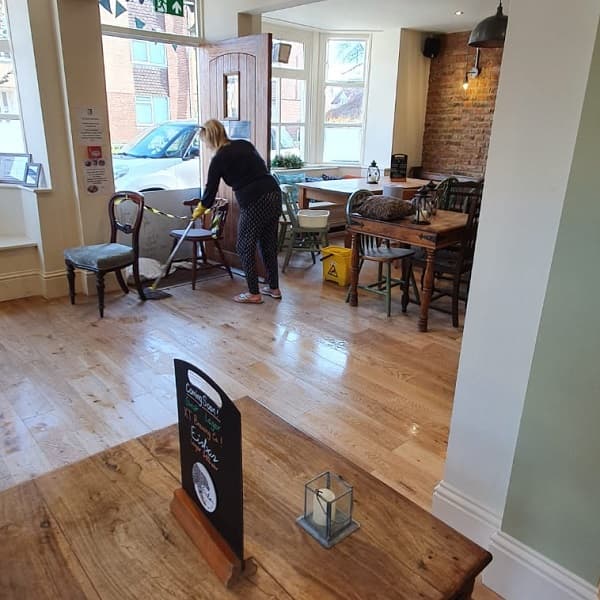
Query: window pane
point(140, 98)
point(296, 60)
point(342, 144)
point(275, 100)
point(11, 131)
point(157, 54)
point(343, 105)
point(293, 97)
point(161, 109)
point(141, 15)
point(345, 60)
point(274, 142)
point(139, 51)
point(143, 112)
point(291, 140)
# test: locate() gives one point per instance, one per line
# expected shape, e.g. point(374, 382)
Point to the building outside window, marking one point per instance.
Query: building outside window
point(148, 53)
point(11, 129)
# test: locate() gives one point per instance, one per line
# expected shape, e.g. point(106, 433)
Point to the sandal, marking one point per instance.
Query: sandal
point(246, 298)
point(267, 291)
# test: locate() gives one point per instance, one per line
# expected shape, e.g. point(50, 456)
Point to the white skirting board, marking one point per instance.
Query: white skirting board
point(516, 572)
point(466, 515)
point(520, 573)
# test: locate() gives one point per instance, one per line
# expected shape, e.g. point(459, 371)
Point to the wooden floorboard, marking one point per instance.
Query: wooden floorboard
point(374, 389)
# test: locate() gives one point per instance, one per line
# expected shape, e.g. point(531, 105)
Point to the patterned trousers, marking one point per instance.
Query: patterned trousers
point(258, 227)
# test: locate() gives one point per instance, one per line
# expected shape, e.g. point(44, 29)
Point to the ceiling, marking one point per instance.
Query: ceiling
point(373, 15)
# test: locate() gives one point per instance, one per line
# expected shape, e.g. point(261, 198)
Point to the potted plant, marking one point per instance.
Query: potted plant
point(293, 161)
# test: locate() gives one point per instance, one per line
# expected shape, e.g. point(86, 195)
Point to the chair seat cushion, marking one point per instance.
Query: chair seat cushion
point(384, 208)
point(384, 254)
point(193, 234)
point(101, 257)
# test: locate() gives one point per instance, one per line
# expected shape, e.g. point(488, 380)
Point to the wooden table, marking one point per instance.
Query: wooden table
point(337, 191)
point(446, 228)
point(102, 529)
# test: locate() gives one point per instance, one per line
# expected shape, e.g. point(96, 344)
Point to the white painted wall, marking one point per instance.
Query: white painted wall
point(412, 86)
point(381, 99)
point(530, 155)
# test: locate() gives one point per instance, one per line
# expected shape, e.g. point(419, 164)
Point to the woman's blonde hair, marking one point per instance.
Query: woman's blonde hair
point(213, 134)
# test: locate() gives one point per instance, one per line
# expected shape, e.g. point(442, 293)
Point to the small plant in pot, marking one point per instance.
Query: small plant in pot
point(287, 162)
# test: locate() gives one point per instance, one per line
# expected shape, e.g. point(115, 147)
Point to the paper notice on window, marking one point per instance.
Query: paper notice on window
point(91, 126)
point(95, 176)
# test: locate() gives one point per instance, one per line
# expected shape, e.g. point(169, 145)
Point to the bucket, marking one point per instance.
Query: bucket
point(313, 219)
point(336, 264)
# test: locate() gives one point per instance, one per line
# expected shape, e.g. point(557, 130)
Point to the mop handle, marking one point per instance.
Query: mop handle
point(172, 255)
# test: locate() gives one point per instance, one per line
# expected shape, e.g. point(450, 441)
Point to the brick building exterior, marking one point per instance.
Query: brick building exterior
point(128, 79)
point(458, 123)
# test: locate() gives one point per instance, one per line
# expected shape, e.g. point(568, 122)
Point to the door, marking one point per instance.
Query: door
point(242, 103)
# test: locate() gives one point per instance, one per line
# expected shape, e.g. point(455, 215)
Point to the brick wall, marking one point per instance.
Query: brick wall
point(458, 122)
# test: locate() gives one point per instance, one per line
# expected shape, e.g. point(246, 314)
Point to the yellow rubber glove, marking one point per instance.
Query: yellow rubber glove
point(199, 211)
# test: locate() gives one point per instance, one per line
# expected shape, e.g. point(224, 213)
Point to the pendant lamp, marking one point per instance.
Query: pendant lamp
point(490, 32)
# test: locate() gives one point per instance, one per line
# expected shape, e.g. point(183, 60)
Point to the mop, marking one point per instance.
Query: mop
point(151, 292)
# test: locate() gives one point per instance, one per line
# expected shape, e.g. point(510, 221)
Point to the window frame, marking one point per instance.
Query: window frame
point(151, 98)
point(148, 62)
point(324, 83)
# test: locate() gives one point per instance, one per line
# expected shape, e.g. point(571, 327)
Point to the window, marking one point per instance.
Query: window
point(11, 130)
point(151, 73)
point(288, 103)
point(150, 53)
point(151, 110)
point(344, 91)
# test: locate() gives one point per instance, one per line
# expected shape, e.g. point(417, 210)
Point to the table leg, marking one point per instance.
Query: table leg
point(467, 592)
point(302, 198)
point(427, 289)
point(354, 271)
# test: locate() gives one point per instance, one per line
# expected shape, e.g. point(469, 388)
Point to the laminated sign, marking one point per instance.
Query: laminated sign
point(210, 441)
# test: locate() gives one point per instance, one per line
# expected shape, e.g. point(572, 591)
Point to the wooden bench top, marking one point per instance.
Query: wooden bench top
point(101, 528)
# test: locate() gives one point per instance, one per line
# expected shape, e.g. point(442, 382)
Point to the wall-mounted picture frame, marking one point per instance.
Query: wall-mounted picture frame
point(32, 177)
point(13, 167)
point(231, 82)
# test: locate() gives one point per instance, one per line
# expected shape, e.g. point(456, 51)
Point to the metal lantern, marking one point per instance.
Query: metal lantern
point(328, 504)
point(373, 173)
point(421, 203)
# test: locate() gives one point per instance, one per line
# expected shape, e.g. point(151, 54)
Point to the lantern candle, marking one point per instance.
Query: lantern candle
point(320, 499)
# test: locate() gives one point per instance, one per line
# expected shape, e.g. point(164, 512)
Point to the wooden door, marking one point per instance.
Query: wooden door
point(250, 58)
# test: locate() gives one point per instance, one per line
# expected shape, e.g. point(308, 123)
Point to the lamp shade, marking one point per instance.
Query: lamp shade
point(490, 32)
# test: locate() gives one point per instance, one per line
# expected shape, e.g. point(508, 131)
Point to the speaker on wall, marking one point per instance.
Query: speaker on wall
point(431, 47)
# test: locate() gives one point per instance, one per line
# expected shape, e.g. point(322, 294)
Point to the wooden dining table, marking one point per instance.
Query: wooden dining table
point(101, 528)
point(337, 191)
point(445, 229)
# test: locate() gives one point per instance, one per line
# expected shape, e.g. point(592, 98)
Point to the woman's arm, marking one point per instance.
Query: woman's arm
point(212, 183)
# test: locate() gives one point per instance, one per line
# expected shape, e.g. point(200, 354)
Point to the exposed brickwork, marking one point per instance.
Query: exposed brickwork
point(458, 122)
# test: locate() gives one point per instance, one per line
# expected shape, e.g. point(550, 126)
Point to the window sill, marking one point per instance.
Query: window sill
point(13, 242)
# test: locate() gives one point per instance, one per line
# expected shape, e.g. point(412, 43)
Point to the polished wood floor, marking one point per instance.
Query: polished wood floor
point(373, 388)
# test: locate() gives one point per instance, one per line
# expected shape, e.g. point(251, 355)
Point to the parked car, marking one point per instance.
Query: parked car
point(165, 157)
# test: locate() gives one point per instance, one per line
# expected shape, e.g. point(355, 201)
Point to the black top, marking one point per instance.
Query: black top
point(242, 168)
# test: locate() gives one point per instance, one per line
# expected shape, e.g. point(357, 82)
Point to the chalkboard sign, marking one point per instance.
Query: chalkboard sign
point(398, 167)
point(210, 441)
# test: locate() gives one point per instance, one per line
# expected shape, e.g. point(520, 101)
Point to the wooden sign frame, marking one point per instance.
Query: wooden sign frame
point(209, 505)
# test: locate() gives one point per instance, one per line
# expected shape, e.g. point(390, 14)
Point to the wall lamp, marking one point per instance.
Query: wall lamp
point(473, 72)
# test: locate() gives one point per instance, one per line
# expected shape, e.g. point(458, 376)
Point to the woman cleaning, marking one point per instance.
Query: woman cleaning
point(241, 167)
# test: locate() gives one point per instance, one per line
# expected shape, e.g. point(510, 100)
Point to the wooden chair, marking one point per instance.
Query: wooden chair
point(378, 250)
point(454, 264)
point(285, 223)
point(302, 239)
point(211, 232)
point(125, 211)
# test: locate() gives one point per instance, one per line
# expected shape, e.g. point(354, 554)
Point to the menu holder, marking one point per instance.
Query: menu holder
point(398, 167)
point(209, 505)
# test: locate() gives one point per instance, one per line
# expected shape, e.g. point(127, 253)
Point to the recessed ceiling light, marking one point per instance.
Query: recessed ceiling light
point(459, 12)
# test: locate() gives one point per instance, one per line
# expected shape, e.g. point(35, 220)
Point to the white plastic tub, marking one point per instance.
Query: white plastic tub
point(313, 219)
